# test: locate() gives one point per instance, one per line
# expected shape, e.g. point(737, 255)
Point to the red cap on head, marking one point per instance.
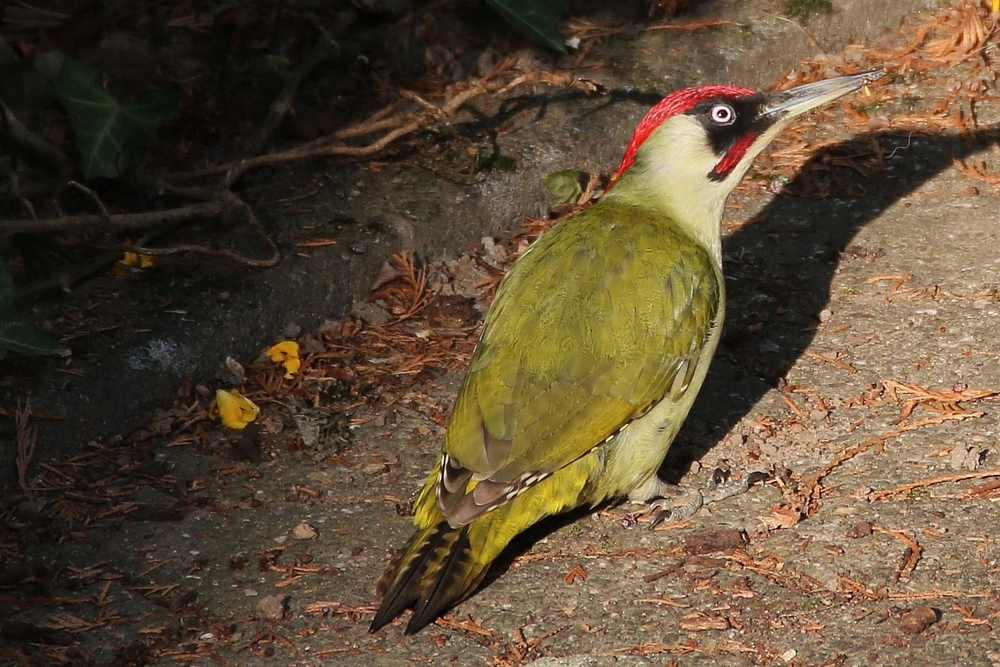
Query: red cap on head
point(675, 103)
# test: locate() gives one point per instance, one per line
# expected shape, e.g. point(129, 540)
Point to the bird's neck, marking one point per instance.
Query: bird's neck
point(694, 206)
point(670, 173)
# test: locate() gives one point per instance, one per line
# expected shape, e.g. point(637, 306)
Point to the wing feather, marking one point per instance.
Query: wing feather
point(569, 356)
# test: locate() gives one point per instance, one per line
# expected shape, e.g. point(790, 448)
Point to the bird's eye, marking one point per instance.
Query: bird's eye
point(723, 114)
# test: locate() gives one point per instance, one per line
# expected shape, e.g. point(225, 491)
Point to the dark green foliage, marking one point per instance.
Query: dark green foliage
point(16, 335)
point(109, 133)
point(538, 20)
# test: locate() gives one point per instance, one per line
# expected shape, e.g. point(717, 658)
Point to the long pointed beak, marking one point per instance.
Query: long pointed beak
point(786, 104)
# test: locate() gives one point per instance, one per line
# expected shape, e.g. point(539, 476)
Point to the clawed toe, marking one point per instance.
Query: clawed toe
point(718, 487)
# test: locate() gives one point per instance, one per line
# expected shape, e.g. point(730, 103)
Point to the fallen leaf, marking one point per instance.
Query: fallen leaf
point(575, 573)
point(780, 517)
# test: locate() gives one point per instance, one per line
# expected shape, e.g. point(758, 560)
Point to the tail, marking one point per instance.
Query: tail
point(441, 565)
point(437, 570)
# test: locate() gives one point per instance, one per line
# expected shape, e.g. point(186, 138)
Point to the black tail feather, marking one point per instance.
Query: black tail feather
point(448, 589)
point(436, 571)
point(403, 588)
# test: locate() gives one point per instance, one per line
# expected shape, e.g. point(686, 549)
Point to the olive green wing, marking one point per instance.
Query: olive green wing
point(596, 323)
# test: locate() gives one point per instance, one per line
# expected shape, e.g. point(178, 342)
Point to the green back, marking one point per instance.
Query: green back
point(588, 329)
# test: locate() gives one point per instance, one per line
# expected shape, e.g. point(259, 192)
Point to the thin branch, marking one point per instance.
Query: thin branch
point(943, 479)
point(93, 197)
point(324, 49)
point(271, 260)
point(394, 126)
point(15, 134)
point(27, 436)
point(117, 221)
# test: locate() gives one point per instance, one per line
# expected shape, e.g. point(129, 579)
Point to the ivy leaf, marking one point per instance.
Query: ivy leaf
point(538, 20)
point(16, 334)
point(109, 134)
point(566, 186)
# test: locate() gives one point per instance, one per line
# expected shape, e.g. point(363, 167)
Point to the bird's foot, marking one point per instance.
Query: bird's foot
point(718, 487)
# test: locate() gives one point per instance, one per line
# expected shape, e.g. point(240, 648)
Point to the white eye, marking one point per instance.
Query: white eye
point(723, 114)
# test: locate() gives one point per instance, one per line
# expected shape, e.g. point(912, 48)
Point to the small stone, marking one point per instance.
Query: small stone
point(372, 314)
point(304, 531)
point(375, 468)
point(860, 529)
point(878, 122)
point(917, 620)
point(966, 457)
point(972, 190)
point(825, 315)
point(768, 449)
point(232, 372)
point(487, 61)
point(272, 607)
point(386, 274)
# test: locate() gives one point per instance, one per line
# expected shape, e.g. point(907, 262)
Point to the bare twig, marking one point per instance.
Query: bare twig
point(220, 200)
point(912, 555)
point(393, 126)
point(14, 134)
point(27, 436)
point(235, 203)
point(117, 221)
point(324, 49)
point(93, 197)
point(943, 479)
point(809, 494)
point(693, 26)
point(63, 280)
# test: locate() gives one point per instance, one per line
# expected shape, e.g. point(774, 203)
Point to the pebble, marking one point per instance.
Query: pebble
point(917, 620)
point(304, 531)
point(271, 607)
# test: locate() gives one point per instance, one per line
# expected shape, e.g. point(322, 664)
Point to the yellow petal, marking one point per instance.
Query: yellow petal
point(234, 409)
point(137, 261)
point(286, 353)
point(291, 367)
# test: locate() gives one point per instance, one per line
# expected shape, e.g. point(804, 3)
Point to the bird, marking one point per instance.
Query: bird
point(595, 346)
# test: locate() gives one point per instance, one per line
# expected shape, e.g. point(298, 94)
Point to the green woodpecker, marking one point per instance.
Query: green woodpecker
point(595, 346)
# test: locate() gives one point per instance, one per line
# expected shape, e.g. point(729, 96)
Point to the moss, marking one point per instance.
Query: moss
point(494, 161)
point(803, 9)
point(869, 107)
